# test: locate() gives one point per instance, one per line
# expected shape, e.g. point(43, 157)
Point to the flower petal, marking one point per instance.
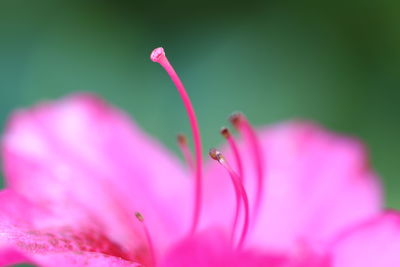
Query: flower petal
point(32, 234)
point(11, 256)
point(82, 259)
point(80, 157)
point(374, 243)
point(71, 259)
point(212, 248)
point(316, 183)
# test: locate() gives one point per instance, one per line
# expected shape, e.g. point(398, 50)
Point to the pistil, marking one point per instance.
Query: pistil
point(158, 55)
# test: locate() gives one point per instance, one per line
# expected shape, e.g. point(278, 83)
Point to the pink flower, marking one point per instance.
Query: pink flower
point(293, 195)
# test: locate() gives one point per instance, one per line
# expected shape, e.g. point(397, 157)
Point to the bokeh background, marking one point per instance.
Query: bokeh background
point(334, 62)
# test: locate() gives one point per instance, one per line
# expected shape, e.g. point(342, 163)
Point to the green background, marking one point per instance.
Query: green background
point(334, 62)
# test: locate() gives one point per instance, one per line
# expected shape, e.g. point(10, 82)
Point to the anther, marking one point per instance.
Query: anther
point(235, 119)
point(139, 216)
point(225, 132)
point(215, 154)
point(239, 191)
point(181, 139)
point(158, 55)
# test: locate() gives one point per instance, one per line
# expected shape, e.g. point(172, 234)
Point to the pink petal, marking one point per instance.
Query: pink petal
point(32, 234)
point(71, 259)
point(316, 183)
point(82, 259)
point(11, 256)
point(372, 244)
point(212, 248)
point(82, 158)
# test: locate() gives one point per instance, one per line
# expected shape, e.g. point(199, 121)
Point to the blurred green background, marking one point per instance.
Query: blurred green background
point(335, 62)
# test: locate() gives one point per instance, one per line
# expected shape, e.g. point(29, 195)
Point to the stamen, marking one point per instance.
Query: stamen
point(158, 56)
point(232, 143)
point(242, 125)
point(140, 218)
point(239, 190)
point(183, 146)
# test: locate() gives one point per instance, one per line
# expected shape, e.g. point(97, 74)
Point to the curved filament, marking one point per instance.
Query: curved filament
point(240, 191)
point(244, 128)
point(140, 218)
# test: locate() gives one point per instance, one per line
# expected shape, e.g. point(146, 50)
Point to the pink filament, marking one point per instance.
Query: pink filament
point(148, 238)
point(187, 155)
point(240, 192)
point(244, 127)
point(243, 195)
point(158, 56)
point(150, 242)
point(232, 143)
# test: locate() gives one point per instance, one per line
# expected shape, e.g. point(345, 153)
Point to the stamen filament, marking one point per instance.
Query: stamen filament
point(158, 56)
point(239, 188)
point(140, 218)
point(243, 126)
point(183, 146)
point(232, 143)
